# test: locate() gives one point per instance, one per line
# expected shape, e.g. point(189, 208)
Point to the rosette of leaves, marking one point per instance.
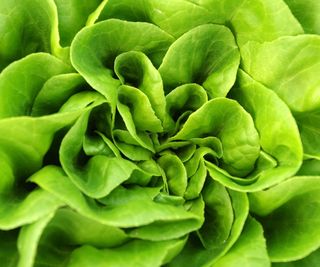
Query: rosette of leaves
point(159, 133)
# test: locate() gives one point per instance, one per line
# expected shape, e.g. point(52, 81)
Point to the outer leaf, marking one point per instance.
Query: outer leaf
point(308, 123)
point(8, 248)
point(249, 250)
point(309, 20)
point(27, 26)
point(124, 10)
point(250, 20)
point(72, 229)
point(55, 92)
point(253, 19)
point(290, 211)
point(167, 230)
point(28, 241)
point(175, 17)
point(206, 55)
point(22, 81)
point(298, 82)
point(194, 253)
point(28, 209)
point(219, 216)
point(123, 207)
point(69, 230)
point(23, 143)
point(310, 167)
point(139, 253)
point(261, 20)
point(310, 261)
point(73, 16)
point(85, 101)
point(279, 136)
point(265, 202)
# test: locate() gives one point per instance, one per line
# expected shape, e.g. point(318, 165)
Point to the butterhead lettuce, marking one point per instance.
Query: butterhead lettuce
point(159, 133)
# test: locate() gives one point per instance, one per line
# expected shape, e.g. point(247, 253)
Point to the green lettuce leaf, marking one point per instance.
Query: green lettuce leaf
point(159, 133)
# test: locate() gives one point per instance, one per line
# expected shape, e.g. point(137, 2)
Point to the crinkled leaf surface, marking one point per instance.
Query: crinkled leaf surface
point(298, 83)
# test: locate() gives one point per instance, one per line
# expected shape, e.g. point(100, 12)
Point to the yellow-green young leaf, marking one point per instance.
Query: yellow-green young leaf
point(227, 120)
